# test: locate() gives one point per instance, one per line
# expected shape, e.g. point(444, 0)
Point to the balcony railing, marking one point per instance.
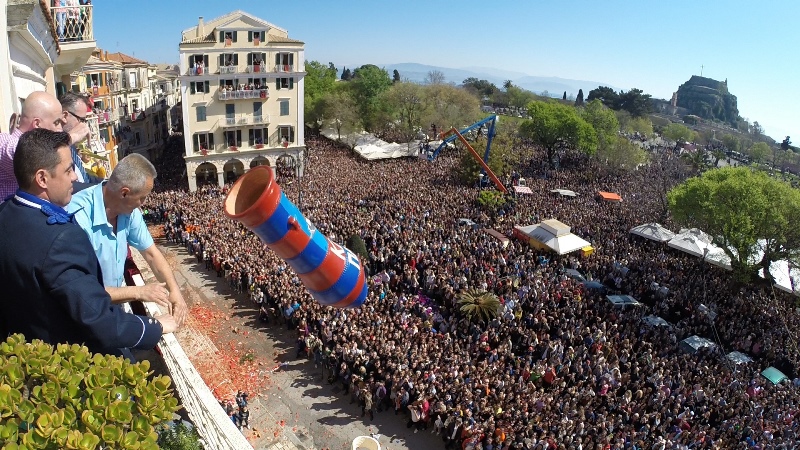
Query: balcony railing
point(263, 118)
point(235, 121)
point(242, 94)
point(284, 68)
point(106, 116)
point(228, 69)
point(73, 23)
point(257, 68)
point(198, 70)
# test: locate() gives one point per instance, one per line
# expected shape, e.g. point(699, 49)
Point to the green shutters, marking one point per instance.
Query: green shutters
point(191, 88)
point(222, 36)
point(291, 83)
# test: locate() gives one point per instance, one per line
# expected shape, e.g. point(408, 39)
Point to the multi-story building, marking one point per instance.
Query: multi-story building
point(168, 87)
point(242, 88)
point(141, 114)
point(40, 49)
point(100, 79)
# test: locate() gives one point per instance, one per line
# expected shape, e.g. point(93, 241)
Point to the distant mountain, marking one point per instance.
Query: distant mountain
point(555, 86)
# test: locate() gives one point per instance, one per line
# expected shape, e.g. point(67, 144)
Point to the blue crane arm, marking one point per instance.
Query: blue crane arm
point(453, 136)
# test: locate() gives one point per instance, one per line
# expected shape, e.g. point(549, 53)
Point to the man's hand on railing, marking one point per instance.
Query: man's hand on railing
point(179, 308)
point(168, 323)
point(156, 293)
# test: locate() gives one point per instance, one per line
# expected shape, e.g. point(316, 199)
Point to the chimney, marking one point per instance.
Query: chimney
point(201, 32)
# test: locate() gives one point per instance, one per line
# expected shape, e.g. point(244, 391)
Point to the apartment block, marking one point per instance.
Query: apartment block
point(242, 89)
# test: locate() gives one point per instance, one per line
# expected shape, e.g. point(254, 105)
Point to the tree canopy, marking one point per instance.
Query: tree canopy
point(319, 80)
point(678, 132)
point(555, 126)
point(739, 207)
point(604, 122)
point(634, 101)
point(369, 81)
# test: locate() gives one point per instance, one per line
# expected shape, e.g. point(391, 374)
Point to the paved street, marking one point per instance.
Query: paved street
point(297, 410)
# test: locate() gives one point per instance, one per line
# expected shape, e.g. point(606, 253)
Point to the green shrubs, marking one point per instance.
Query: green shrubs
point(68, 398)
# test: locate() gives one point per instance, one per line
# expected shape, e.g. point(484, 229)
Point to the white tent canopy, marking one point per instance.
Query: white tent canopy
point(738, 358)
point(694, 343)
point(787, 277)
point(622, 300)
point(370, 147)
point(564, 192)
point(698, 243)
point(555, 235)
point(653, 231)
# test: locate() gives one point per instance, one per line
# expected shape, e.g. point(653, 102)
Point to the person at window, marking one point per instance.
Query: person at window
point(52, 286)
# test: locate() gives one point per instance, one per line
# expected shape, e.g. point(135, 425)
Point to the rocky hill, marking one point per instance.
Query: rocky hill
point(708, 99)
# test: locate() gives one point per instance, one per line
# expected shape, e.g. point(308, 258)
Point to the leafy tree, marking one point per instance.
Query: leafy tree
point(356, 244)
point(738, 207)
point(448, 106)
point(695, 160)
point(757, 129)
point(499, 156)
point(179, 437)
point(555, 127)
point(718, 154)
point(565, 96)
point(606, 95)
point(319, 80)
point(731, 142)
point(518, 97)
point(579, 98)
point(369, 81)
point(481, 88)
point(435, 77)
point(758, 152)
point(678, 132)
point(507, 84)
point(491, 200)
point(635, 102)
point(395, 76)
point(604, 122)
point(786, 144)
point(64, 397)
point(346, 74)
point(621, 154)
point(479, 306)
point(339, 107)
point(641, 125)
point(408, 102)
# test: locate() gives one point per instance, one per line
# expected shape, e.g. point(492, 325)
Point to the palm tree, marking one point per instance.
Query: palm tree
point(696, 160)
point(478, 305)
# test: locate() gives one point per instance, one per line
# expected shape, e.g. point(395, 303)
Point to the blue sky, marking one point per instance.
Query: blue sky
point(651, 45)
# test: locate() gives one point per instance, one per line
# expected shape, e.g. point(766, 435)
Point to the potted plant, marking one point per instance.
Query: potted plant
point(65, 397)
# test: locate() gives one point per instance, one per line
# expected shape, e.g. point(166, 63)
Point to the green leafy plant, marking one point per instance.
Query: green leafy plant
point(479, 305)
point(63, 397)
point(179, 437)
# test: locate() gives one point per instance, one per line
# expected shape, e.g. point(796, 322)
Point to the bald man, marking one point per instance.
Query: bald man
point(40, 110)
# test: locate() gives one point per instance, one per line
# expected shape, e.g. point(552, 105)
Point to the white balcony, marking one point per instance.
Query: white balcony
point(261, 119)
point(235, 121)
point(243, 94)
point(75, 33)
point(228, 69)
point(286, 68)
point(256, 68)
point(194, 71)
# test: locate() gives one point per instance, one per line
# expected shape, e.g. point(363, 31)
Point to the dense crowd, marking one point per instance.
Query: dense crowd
point(559, 367)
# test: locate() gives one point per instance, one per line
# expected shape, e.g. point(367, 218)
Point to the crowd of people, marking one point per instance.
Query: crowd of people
point(559, 366)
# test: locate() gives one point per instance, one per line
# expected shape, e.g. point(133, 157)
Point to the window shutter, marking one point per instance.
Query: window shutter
point(196, 140)
point(191, 63)
point(234, 36)
point(88, 81)
point(235, 59)
point(277, 59)
point(291, 134)
point(191, 88)
point(238, 138)
point(291, 83)
point(291, 59)
point(206, 86)
point(277, 84)
point(210, 140)
point(249, 36)
point(251, 139)
point(205, 61)
point(249, 59)
point(221, 60)
point(264, 58)
point(222, 36)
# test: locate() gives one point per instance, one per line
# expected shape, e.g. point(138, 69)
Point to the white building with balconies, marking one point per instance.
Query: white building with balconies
point(242, 97)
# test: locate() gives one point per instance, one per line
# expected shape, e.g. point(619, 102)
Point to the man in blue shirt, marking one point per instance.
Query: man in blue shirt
point(52, 289)
point(109, 214)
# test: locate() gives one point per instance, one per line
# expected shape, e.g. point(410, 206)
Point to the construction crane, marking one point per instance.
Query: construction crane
point(453, 134)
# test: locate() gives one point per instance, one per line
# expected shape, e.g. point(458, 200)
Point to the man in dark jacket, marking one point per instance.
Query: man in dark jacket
point(52, 287)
